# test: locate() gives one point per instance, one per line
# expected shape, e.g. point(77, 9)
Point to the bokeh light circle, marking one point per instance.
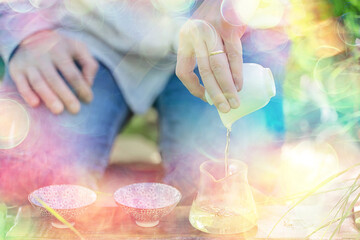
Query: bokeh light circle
point(173, 6)
point(239, 12)
point(258, 14)
point(334, 78)
point(23, 6)
point(111, 9)
point(348, 30)
point(78, 8)
point(306, 164)
point(14, 123)
point(42, 3)
point(268, 14)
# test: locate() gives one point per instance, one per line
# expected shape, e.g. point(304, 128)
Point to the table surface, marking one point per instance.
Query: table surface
point(109, 222)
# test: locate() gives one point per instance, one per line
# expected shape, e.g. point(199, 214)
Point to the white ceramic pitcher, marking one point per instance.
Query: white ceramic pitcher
point(258, 89)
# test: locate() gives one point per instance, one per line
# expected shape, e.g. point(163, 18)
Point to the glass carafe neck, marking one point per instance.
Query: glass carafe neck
point(215, 171)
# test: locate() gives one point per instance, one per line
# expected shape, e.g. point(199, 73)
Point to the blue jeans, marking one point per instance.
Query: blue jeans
point(69, 148)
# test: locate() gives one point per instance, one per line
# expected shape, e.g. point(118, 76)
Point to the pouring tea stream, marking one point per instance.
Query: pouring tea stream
point(224, 204)
point(258, 89)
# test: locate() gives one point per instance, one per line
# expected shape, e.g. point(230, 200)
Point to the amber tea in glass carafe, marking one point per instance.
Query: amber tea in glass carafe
point(224, 204)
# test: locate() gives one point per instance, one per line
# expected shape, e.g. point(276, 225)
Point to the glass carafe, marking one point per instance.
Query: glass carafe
point(224, 204)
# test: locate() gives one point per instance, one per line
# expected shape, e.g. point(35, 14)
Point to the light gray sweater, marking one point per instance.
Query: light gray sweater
point(136, 39)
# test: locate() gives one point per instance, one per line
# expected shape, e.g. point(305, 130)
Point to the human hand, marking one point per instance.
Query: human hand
point(216, 47)
point(35, 69)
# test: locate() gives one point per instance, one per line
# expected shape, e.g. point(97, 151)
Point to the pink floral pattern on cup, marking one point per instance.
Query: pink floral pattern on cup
point(67, 200)
point(147, 203)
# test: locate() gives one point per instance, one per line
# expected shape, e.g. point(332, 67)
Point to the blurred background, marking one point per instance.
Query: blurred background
point(321, 100)
point(321, 88)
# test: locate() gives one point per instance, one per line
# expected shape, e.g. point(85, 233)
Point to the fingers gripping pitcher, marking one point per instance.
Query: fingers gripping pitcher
point(224, 204)
point(258, 88)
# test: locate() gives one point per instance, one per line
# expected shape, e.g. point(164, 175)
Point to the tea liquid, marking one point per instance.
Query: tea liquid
point(227, 152)
point(214, 220)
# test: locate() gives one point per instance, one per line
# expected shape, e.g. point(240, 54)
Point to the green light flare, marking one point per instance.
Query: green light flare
point(3, 213)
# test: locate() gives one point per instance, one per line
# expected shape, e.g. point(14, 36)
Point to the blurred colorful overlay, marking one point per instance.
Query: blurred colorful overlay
point(321, 90)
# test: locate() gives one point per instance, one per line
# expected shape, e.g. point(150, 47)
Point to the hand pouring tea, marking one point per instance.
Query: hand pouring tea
point(258, 89)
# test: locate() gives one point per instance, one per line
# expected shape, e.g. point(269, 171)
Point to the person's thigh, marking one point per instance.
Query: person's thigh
point(63, 148)
point(188, 126)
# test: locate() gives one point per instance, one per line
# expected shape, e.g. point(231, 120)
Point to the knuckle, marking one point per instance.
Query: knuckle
point(229, 91)
point(14, 76)
point(206, 73)
point(232, 56)
point(55, 106)
point(50, 78)
point(23, 91)
point(72, 76)
point(217, 97)
point(192, 91)
point(29, 68)
point(93, 64)
point(57, 50)
point(15, 70)
point(180, 74)
point(195, 28)
point(206, 29)
point(229, 94)
point(190, 25)
point(201, 25)
point(212, 93)
point(218, 101)
point(82, 90)
point(73, 102)
point(79, 44)
point(37, 85)
point(184, 32)
point(238, 78)
point(70, 100)
point(13, 67)
point(196, 93)
point(216, 67)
